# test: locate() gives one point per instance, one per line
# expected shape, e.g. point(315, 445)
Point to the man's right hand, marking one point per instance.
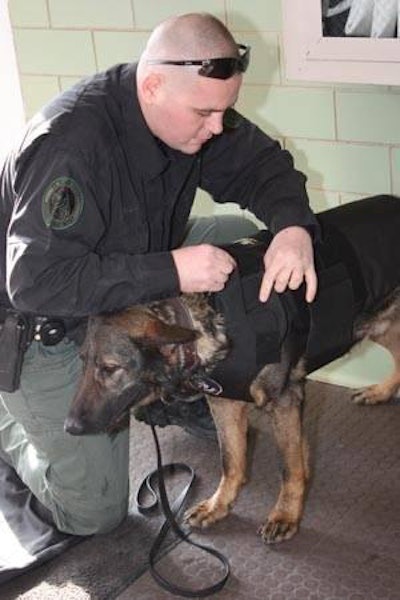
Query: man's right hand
point(202, 268)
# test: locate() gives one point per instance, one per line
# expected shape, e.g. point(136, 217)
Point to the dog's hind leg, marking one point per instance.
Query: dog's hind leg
point(385, 330)
point(231, 420)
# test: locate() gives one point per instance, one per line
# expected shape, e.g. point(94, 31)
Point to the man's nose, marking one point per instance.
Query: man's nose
point(215, 123)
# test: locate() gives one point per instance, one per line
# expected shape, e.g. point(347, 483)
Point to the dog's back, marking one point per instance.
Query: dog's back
point(365, 236)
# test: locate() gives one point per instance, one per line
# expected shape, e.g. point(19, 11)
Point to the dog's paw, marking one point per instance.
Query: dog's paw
point(278, 529)
point(370, 395)
point(206, 513)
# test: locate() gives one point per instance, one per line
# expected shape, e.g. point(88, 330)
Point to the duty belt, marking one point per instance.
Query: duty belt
point(47, 330)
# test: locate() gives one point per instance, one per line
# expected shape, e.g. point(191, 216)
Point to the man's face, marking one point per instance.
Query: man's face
point(187, 115)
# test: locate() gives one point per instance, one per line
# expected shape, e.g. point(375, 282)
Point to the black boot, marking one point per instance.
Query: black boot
point(194, 416)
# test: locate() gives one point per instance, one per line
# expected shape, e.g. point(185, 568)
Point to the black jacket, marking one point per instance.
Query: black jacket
point(92, 203)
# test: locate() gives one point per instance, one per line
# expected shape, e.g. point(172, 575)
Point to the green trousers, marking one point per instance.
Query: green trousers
point(82, 480)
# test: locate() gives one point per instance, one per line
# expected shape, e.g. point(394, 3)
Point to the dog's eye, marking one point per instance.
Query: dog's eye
point(108, 369)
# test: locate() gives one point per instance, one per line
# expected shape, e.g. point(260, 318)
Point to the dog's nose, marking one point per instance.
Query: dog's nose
point(73, 426)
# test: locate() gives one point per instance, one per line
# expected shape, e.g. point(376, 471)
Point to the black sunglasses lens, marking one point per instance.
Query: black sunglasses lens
point(223, 68)
point(219, 68)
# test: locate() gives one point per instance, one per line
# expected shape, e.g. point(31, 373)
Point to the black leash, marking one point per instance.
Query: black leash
point(171, 513)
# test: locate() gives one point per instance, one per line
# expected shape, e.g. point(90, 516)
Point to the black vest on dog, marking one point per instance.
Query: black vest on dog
point(358, 265)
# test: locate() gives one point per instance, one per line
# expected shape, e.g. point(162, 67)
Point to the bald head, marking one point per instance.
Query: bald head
point(191, 36)
point(180, 106)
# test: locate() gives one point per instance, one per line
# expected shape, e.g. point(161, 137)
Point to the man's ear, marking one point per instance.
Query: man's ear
point(150, 87)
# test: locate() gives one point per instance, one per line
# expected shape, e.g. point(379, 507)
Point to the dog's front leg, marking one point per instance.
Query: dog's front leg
point(283, 521)
point(231, 420)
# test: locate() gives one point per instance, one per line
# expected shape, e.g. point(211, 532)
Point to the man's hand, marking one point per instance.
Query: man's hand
point(202, 268)
point(288, 261)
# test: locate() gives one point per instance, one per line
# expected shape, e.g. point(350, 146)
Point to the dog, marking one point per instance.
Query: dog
point(174, 347)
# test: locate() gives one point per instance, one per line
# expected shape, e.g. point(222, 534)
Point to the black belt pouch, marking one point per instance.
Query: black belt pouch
point(15, 337)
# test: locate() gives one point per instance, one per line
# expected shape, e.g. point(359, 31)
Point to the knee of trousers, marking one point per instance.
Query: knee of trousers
point(92, 497)
point(89, 519)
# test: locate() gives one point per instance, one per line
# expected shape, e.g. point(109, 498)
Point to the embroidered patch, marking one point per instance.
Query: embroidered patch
point(62, 203)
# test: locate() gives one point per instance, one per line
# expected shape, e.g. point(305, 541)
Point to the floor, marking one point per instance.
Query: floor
point(348, 546)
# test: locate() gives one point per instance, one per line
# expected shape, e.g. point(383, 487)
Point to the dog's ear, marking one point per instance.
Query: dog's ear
point(158, 333)
point(147, 329)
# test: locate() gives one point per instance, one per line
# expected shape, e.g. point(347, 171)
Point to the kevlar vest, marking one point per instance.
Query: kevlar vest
point(357, 263)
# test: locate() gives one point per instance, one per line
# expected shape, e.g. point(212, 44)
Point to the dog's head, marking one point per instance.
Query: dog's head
point(125, 356)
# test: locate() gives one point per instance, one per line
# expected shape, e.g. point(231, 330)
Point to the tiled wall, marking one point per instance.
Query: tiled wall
point(345, 138)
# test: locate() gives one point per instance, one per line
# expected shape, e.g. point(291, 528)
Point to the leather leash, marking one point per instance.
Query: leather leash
point(171, 514)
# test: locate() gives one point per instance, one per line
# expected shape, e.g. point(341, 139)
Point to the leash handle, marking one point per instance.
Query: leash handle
point(171, 523)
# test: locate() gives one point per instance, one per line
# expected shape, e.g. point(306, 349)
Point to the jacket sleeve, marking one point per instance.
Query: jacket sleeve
point(54, 262)
point(245, 166)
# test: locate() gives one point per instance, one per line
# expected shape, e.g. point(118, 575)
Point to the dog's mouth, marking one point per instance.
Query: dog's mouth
point(110, 417)
point(120, 419)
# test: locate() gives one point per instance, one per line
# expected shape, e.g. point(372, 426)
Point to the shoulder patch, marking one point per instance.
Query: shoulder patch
point(62, 203)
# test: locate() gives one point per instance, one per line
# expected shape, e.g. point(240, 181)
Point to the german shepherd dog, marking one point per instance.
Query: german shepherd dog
point(145, 352)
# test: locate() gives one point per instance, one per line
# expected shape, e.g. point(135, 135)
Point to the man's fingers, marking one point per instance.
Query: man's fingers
point(296, 279)
point(202, 268)
point(279, 283)
point(311, 284)
point(284, 279)
point(267, 284)
point(288, 263)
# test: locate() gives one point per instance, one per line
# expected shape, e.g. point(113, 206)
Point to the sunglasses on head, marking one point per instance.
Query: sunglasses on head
point(217, 68)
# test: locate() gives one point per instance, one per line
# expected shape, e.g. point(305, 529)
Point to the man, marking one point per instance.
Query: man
point(94, 208)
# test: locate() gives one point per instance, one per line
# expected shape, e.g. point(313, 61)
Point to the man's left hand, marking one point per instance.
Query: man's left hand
point(288, 262)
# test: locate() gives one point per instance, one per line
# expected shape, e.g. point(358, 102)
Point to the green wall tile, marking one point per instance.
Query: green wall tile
point(37, 91)
point(293, 112)
point(203, 204)
point(115, 47)
point(321, 200)
point(148, 14)
point(369, 117)
point(31, 13)
point(396, 171)
point(343, 167)
point(45, 52)
point(67, 82)
point(264, 63)
point(257, 15)
point(91, 13)
point(346, 198)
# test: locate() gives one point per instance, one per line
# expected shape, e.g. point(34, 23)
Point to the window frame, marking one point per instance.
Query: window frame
point(311, 56)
